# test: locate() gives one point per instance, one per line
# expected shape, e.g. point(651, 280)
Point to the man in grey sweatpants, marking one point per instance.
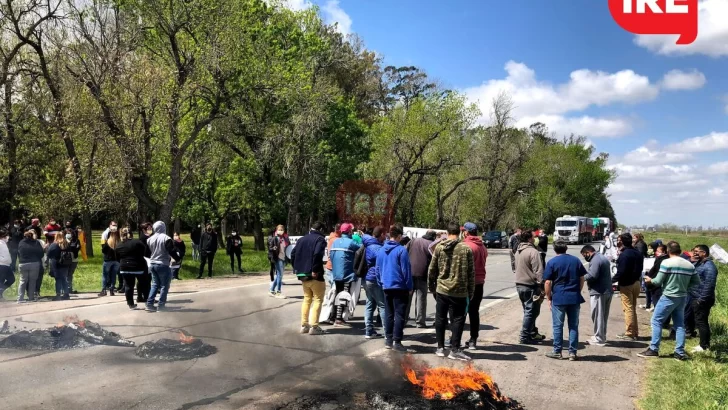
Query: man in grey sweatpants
point(599, 281)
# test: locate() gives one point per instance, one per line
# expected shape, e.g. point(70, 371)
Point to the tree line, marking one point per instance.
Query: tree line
point(246, 113)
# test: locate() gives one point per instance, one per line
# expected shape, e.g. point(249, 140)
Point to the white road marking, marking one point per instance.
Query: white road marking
point(495, 302)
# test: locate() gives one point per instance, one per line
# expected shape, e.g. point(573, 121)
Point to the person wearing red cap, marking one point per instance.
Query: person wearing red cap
point(342, 261)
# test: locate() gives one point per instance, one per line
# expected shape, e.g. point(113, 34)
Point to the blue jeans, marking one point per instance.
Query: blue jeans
point(61, 276)
point(531, 311)
point(275, 286)
point(161, 277)
point(667, 307)
point(329, 278)
point(108, 279)
point(375, 300)
point(558, 313)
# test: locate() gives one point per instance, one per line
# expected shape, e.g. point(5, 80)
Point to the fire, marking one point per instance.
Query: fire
point(72, 319)
point(446, 383)
point(185, 339)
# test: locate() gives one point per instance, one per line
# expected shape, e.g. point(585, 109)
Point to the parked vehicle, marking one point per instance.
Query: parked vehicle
point(495, 239)
point(574, 229)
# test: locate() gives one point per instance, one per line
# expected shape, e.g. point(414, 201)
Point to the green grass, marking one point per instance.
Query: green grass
point(88, 274)
point(701, 383)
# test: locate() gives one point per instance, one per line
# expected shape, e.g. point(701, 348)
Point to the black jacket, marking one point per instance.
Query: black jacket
point(656, 267)
point(641, 247)
point(208, 242)
point(181, 249)
point(16, 235)
point(629, 267)
point(308, 255)
point(196, 235)
point(234, 244)
point(131, 255)
point(110, 254)
point(30, 251)
point(74, 246)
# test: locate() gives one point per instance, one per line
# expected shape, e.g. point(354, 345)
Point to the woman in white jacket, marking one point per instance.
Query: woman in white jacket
point(7, 278)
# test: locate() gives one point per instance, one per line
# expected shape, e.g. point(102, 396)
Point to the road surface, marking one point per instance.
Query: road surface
point(261, 359)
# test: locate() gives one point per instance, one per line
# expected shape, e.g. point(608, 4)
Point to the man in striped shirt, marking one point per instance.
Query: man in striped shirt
point(676, 276)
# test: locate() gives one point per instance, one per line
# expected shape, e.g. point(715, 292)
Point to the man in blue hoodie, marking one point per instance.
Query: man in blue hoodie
point(162, 251)
point(375, 295)
point(342, 261)
point(395, 277)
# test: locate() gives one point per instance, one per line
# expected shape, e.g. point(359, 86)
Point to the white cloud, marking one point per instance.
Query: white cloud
point(645, 155)
point(715, 141)
point(712, 34)
point(333, 13)
point(536, 100)
point(589, 126)
point(628, 201)
point(718, 168)
point(585, 88)
point(716, 192)
point(683, 80)
point(297, 5)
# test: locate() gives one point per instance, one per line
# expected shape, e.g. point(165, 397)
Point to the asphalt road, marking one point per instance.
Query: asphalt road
point(260, 355)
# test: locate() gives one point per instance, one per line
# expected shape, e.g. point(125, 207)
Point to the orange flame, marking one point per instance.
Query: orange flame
point(445, 383)
point(185, 339)
point(72, 319)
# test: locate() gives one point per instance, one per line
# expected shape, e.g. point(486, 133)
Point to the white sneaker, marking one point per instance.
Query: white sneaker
point(643, 306)
point(595, 342)
point(698, 349)
point(651, 309)
point(305, 329)
point(279, 295)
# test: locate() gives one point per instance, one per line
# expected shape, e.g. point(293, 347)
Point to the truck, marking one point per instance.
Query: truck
point(574, 229)
point(602, 227)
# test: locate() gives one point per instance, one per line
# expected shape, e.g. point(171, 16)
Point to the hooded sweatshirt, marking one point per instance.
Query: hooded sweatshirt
point(480, 255)
point(393, 267)
point(529, 269)
point(452, 271)
point(5, 259)
point(372, 246)
point(161, 246)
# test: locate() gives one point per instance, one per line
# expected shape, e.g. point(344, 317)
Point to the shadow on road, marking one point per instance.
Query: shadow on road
point(508, 348)
point(182, 301)
point(603, 359)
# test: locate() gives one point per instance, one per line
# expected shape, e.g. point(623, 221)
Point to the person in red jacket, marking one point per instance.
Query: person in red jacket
point(51, 230)
point(480, 255)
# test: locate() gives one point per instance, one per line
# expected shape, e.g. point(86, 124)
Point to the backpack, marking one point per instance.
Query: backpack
point(360, 263)
point(66, 258)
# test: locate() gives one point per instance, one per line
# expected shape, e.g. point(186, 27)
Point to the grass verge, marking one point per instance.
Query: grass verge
point(701, 383)
point(88, 274)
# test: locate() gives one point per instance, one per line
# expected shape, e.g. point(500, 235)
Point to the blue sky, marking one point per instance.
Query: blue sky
point(659, 110)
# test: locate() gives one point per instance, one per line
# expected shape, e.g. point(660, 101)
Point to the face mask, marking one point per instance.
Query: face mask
point(280, 233)
point(69, 237)
point(235, 234)
point(16, 226)
point(113, 228)
point(209, 229)
point(588, 258)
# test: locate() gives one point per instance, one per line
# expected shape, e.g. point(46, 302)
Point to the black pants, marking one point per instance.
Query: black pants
point(455, 308)
point(129, 281)
point(272, 270)
point(543, 259)
point(206, 258)
point(144, 285)
point(474, 312)
point(701, 312)
point(233, 255)
point(7, 278)
point(689, 317)
point(39, 282)
point(395, 303)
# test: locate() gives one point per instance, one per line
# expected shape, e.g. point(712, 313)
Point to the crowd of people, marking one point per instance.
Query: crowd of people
point(397, 272)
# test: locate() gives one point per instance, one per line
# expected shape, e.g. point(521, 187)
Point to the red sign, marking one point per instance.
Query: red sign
point(365, 203)
point(658, 17)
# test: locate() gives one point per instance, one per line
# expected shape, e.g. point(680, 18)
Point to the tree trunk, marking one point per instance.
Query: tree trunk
point(86, 223)
point(258, 233)
point(12, 151)
point(294, 224)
